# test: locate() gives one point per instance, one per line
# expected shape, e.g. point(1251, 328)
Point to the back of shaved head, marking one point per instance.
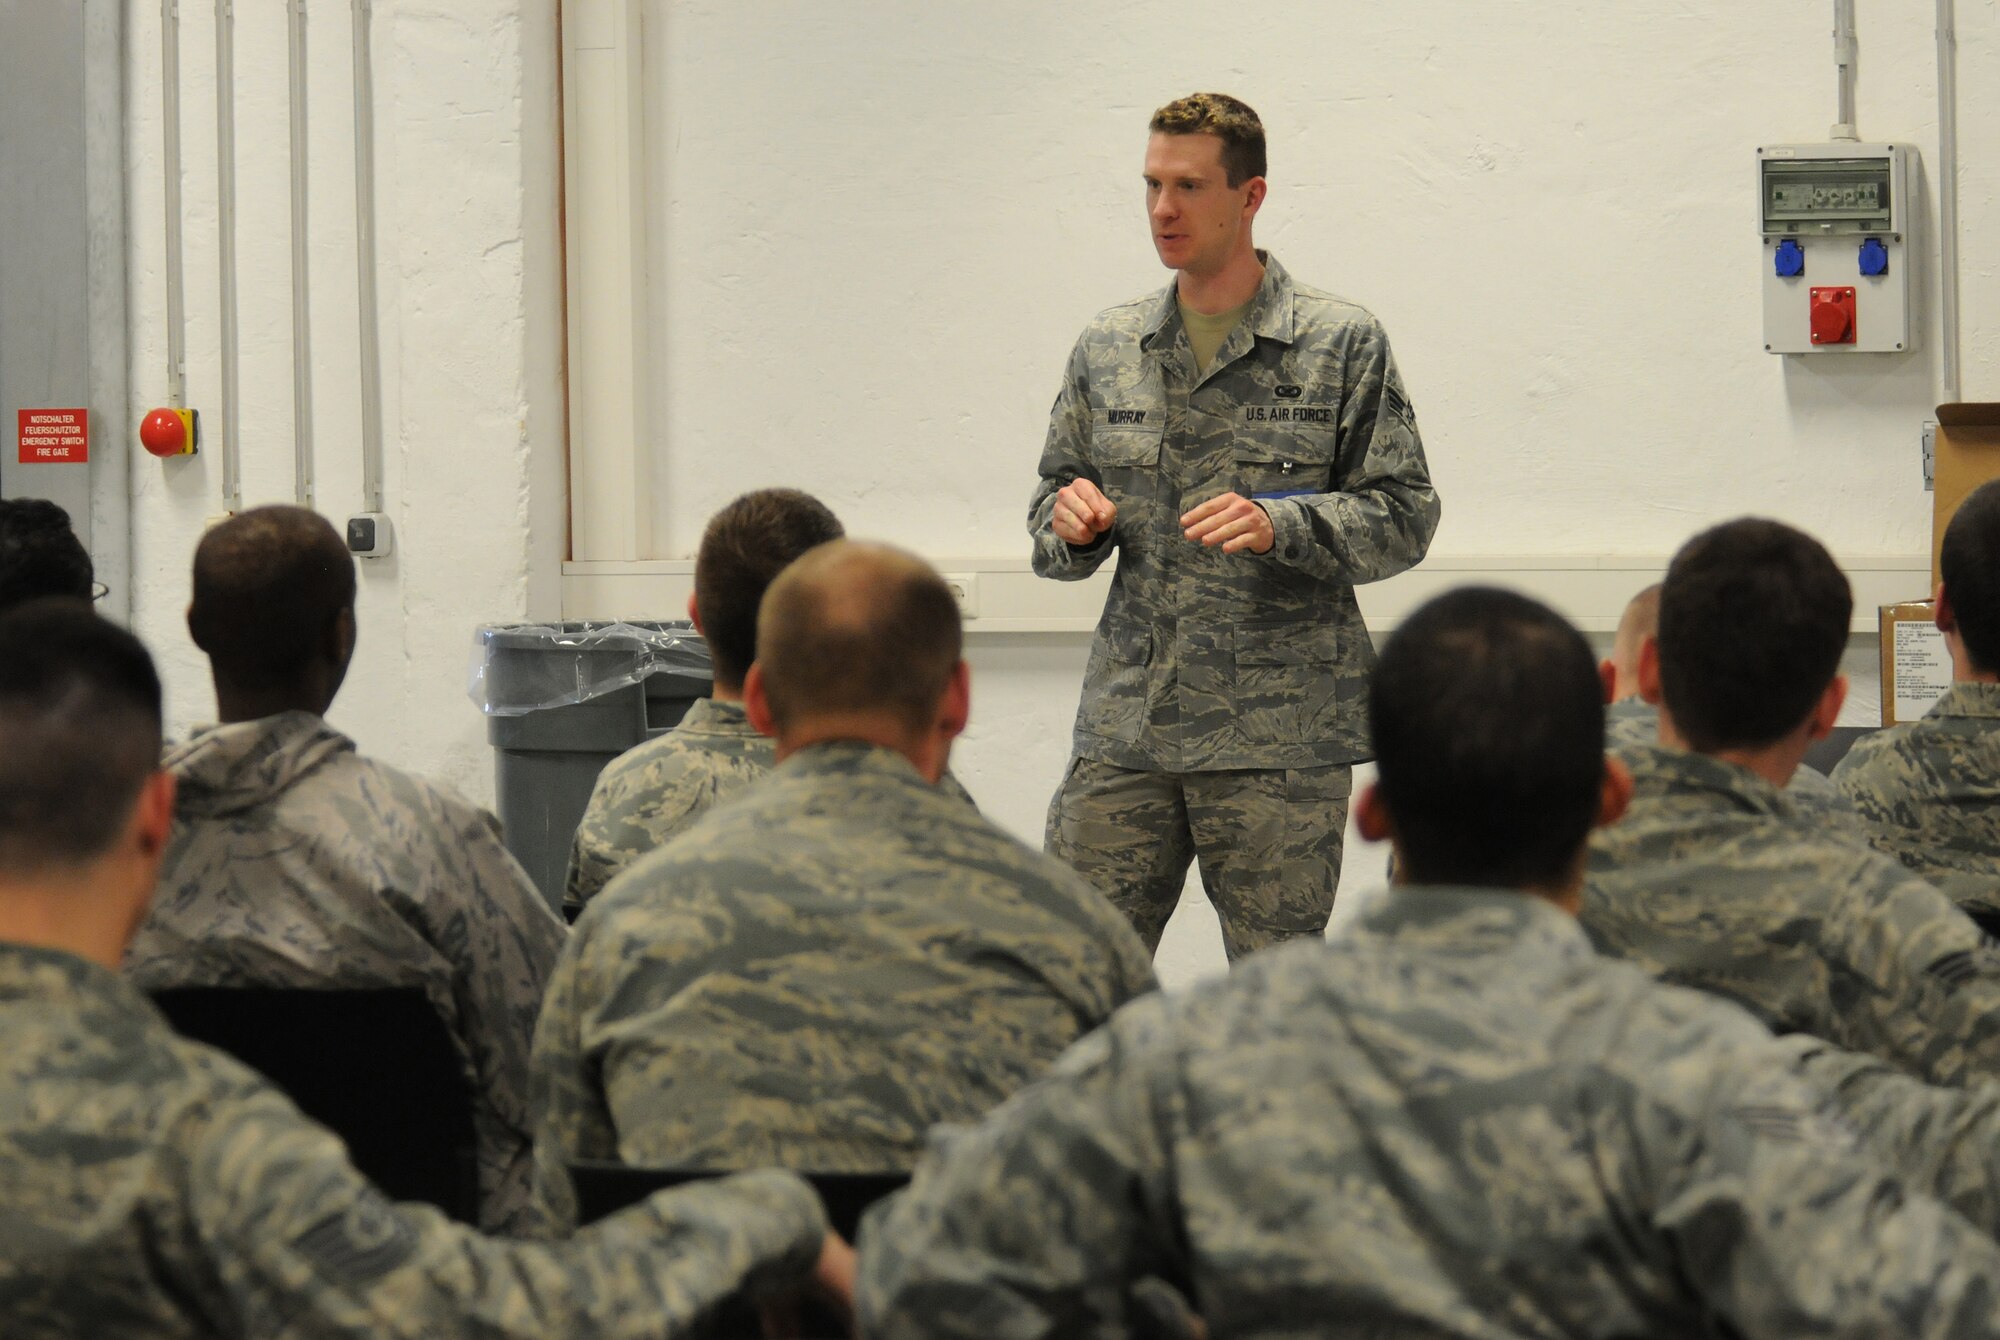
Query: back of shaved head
point(269, 587)
point(858, 628)
point(1640, 621)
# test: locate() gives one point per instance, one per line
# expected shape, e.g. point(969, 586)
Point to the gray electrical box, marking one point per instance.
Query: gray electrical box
point(1835, 219)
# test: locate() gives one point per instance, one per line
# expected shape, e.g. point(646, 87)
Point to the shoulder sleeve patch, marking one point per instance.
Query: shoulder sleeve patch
point(360, 1244)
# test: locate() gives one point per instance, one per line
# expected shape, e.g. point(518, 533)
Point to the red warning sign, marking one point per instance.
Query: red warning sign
point(49, 435)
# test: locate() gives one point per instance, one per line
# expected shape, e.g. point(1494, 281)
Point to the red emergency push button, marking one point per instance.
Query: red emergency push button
point(1833, 316)
point(170, 432)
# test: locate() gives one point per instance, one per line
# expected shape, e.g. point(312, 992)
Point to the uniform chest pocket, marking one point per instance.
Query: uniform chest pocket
point(1281, 470)
point(1126, 439)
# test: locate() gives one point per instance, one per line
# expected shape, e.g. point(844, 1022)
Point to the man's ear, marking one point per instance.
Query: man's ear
point(1649, 671)
point(1253, 199)
point(955, 708)
point(1371, 816)
point(757, 704)
point(342, 636)
point(1607, 676)
point(1945, 617)
point(1614, 794)
point(694, 612)
point(153, 815)
point(1827, 710)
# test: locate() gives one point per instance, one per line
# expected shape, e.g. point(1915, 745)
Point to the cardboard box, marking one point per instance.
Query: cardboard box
point(1916, 664)
point(1968, 454)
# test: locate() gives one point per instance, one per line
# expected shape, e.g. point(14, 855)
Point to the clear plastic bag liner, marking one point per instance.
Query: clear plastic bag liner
point(518, 668)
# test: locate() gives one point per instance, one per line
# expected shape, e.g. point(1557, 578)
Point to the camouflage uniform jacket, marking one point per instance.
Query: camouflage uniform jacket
point(648, 794)
point(1634, 722)
point(816, 973)
point(1205, 660)
point(1454, 1121)
point(1714, 879)
point(1931, 792)
point(155, 1188)
point(297, 863)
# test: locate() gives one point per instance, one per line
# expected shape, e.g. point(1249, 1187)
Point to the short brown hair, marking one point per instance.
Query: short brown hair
point(858, 628)
point(1753, 621)
point(1229, 120)
point(746, 545)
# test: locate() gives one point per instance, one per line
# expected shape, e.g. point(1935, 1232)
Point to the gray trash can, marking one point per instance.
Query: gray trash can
point(561, 701)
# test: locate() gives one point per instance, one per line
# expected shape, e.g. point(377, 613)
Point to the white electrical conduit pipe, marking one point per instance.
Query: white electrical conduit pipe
point(364, 237)
point(1949, 391)
point(1844, 50)
point(170, 98)
point(225, 229)
point(302, 424)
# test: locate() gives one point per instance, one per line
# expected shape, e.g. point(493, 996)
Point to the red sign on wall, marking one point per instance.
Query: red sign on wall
point(49, 435)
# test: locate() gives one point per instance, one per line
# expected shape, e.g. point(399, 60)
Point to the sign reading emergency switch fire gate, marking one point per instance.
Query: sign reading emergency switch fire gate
point(54, 435)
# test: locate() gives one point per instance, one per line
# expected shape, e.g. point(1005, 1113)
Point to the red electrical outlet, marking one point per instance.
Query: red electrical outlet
point(1833, 316)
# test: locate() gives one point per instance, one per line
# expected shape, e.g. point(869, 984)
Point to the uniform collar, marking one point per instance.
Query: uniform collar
point(1661, 773)
point(712, 717)
point(32, 972)
point(852, 759)
point(1968, 700)
point(1469, 921)
point(1269, 317)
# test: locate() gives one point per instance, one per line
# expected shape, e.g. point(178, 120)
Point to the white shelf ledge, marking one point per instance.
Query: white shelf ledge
point(1590, 590)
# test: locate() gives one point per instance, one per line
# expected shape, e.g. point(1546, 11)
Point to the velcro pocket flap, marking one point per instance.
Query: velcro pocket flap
point(1288, 643)
point(1125, 641)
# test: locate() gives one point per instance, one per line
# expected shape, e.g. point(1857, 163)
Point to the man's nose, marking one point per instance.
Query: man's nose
point(1163, 206)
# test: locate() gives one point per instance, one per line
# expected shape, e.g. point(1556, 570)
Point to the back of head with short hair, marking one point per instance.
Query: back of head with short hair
point(1640, 621)
point(39, 553)
point(269, 585)
point(747, 544)
point(79, 734)
point(1229, 120)
point(858, 628)
point(1969, 567)
point(1488, 724)
point(1753, 621)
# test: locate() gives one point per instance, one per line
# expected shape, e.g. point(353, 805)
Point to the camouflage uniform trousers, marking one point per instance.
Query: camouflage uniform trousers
point(1269, 842)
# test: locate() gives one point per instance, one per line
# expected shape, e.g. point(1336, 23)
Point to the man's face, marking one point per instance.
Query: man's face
point(1198, 218)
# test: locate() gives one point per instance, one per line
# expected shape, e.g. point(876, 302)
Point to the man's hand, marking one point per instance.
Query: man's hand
point(1232, 521)
point(824, 1297)
point(1082, 513)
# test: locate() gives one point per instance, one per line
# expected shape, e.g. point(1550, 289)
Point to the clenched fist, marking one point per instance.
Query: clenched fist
point(1082, 513)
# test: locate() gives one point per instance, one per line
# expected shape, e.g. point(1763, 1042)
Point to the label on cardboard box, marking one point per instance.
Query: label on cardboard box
point(1916, 661)
point(1923, 668)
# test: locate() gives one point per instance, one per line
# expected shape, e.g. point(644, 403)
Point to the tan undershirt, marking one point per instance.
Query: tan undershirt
point(1207, 333)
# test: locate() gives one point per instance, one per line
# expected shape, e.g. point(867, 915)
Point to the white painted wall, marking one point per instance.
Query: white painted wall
point(879, 228)
point(469, 271)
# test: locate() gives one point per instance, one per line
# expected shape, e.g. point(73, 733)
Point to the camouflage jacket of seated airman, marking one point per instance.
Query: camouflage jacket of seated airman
point(1930, 792)
point(1205, 660)
point(650, 793)
point(155, 1189)
point(813, 975)
point(1634, 721)
point(295, 862)
point(1714, 879)
point(1453, 1120)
